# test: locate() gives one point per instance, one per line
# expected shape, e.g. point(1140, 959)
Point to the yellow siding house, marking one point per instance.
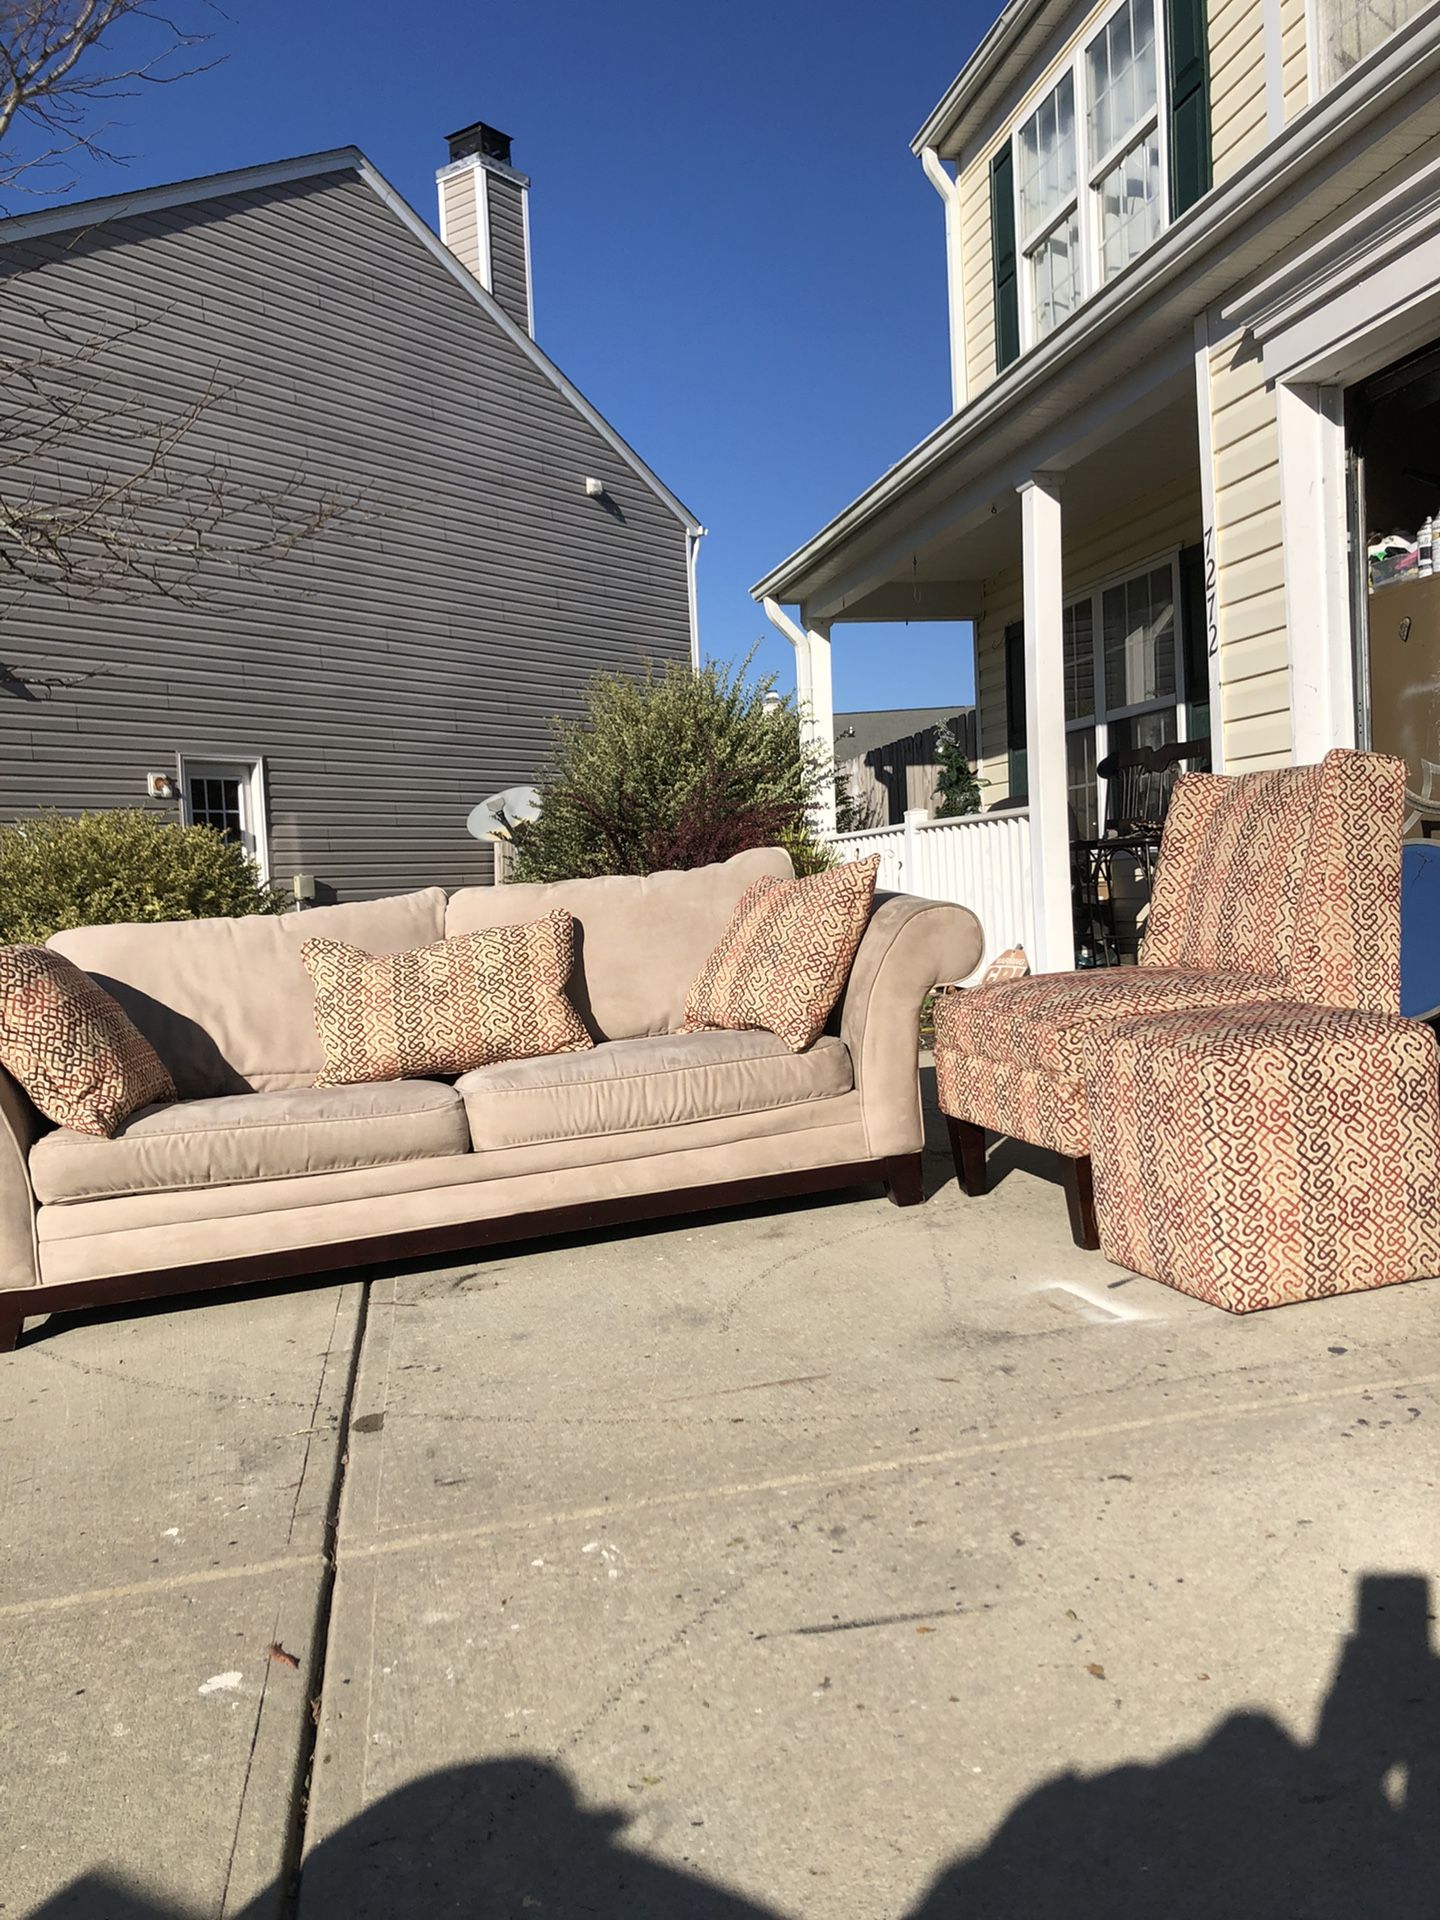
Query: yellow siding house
point(1183, 496)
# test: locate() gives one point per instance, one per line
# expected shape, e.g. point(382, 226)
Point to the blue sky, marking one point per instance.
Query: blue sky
point(736, 256)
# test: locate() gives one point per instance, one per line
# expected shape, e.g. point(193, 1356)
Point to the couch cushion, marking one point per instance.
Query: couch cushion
point(626, 1086)
point(1050, 1022)
point(253, 1136)
point(227, 1004)
point(641, 939)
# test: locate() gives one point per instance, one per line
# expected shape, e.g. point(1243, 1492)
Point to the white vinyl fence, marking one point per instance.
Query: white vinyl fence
point(981, 861)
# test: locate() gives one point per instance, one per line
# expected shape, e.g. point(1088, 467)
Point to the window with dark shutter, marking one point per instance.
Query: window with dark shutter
point(1189, 77)
point(1002, 250)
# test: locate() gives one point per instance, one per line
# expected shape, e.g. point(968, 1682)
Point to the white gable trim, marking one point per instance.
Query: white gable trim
point(127, 206)
point(486, 275)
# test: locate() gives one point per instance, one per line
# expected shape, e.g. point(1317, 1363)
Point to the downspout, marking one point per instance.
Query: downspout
point(800, 641)
point(693, 537)
point(948, 189)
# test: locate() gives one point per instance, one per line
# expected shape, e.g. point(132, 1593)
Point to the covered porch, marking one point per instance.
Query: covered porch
point(1077, 556)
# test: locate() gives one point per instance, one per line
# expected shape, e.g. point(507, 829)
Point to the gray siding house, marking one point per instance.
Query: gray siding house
point(414, 539)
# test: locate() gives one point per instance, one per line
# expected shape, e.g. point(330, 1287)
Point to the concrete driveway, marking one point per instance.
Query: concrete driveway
point(822, 1561)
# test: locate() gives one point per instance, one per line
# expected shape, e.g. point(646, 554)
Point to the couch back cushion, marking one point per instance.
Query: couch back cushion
point(227, 1004)
point(1229, 878)
point(641, 939)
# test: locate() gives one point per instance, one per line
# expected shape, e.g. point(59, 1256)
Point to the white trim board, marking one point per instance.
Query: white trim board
point(486, 275)
point(1368, 273)
point(1205, 413)
point(529, 276)
point(490, 165)
point(126, 206)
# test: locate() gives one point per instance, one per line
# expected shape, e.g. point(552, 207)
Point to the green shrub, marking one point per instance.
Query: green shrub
point(61, 870)
point(674, 769)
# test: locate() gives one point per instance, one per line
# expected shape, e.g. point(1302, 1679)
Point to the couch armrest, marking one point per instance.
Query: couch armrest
point(910, 947)
point(19, 1125)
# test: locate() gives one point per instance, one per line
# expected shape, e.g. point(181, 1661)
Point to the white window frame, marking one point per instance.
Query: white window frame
point(1101, 717)
point(1156, 120)
point(249, 768)
point(1027, 243)
point(1084, 199)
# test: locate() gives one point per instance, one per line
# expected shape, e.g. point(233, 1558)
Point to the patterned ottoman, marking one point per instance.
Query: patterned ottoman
point(1258, 1155)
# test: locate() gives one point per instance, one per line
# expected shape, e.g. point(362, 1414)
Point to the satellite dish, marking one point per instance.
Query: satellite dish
point(493, 818)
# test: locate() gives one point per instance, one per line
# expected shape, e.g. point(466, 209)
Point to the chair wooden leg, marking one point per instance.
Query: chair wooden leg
point(905, 1179)
point(12, 1319)
point(1080, 1200)
point(967, 1144)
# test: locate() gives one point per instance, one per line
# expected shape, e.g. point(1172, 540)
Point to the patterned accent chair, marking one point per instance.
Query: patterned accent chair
point(1270, 886)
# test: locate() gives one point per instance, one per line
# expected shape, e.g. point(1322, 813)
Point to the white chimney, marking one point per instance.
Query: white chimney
point(485, 217)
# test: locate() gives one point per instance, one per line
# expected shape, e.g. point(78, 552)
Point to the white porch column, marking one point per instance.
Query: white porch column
point(1045, 724)
point(1311, 422)
point(822, 717)
point(814, 697)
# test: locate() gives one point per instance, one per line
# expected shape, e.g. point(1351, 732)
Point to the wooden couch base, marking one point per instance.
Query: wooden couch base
point(901, 1175)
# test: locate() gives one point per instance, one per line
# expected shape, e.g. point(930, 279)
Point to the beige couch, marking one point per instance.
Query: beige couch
point(257, 1174)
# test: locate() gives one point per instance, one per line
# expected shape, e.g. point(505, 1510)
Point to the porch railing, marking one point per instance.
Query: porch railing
point(981, 861)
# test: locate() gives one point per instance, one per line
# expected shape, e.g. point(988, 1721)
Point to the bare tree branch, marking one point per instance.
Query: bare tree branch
point(106, 494)
point(107, 487)
point(58, 58)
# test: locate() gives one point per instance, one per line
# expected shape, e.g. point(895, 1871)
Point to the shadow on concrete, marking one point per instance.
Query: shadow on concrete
point(498, 1838)
point(1249, 1825)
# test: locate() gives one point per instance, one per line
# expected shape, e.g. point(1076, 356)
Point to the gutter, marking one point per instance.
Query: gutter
point(976, 71)
point(1407, 58)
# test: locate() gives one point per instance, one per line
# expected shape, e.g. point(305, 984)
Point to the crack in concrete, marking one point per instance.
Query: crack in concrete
point(210, 1396)
point(165, 1583)
point(697, 1617)
point(293, 1860)
point(249, 1769)
point(804, 1252)
point(840, 1475)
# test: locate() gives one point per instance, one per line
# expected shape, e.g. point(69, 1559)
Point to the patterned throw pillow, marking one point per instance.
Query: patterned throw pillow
point(77, 1053)
point(464, 1002)
point(783, 961)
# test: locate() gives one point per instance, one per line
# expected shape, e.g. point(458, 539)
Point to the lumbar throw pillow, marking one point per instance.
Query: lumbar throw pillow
point(75, 1051)
point(464, 1002)
point(783, 961)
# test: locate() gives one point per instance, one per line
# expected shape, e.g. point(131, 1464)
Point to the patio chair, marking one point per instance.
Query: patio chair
point(1138, 784)
point(1269, 886)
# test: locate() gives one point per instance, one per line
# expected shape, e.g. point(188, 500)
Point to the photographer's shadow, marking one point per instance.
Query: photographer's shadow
point(1250, 1825)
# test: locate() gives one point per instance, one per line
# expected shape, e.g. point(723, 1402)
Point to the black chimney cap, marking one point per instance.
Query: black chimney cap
point(488, 142)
